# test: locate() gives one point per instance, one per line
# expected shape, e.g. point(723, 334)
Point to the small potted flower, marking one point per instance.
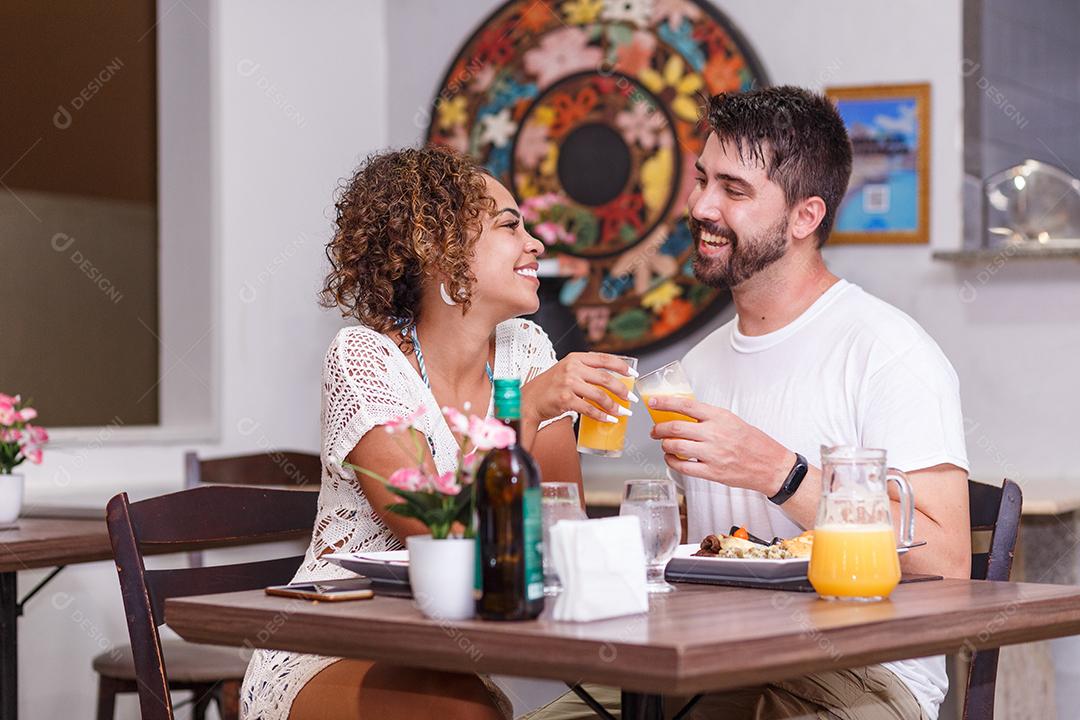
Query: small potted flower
point(442, 564)
point(19, 441)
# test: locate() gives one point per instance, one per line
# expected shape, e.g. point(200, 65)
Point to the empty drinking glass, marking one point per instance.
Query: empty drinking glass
point(558, 501)
point(657, 508)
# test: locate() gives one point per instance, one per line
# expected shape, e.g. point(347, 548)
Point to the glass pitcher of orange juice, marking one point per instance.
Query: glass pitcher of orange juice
point(854, 552)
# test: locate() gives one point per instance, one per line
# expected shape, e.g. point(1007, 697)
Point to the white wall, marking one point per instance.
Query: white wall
point(1010, 331)
point(300, 91)
point(297, 95)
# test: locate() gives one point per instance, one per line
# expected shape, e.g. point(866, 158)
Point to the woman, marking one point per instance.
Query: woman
point(431, 257)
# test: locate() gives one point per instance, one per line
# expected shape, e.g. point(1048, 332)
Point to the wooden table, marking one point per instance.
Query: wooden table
point(695, 640)
point(38, 542)
point(74, 536)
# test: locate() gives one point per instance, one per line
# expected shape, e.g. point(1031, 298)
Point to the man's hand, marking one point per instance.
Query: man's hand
point(720, 447)
point(577, 382)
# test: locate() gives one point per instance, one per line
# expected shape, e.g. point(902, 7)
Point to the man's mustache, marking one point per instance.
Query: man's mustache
point(697, 227)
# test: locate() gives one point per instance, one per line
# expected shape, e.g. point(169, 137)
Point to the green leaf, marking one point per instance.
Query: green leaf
point(630, 325)
point(619, 34)
point(369, 473)
point(409, 511)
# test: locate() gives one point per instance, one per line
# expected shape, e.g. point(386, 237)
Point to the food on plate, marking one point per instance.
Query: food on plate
point(800, 545)
point(733, 546)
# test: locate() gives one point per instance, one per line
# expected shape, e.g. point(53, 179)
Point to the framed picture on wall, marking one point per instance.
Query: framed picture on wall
point(888, 198)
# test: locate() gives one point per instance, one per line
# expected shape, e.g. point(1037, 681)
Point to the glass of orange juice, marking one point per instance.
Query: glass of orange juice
point(604, 438)
point(854, 553)
point(669, 380)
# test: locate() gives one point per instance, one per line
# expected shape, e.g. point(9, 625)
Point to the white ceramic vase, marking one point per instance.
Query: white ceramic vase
point(442, 574)
point(11, 497)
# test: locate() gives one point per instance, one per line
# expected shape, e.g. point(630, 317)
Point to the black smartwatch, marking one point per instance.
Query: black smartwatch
point(792, 482)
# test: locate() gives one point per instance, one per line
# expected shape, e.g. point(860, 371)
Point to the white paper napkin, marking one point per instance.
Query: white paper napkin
point(601, 564)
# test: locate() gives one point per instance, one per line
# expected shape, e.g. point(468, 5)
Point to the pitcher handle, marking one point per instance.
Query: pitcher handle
point(907, 506)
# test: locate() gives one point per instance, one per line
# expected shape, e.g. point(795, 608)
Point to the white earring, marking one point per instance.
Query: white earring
point(445, 295)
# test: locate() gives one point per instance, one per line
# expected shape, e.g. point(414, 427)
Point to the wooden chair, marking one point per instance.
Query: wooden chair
point(995, 510)
point(287, 468)
point(200, 518)
point(273, 467)
point(197, 667)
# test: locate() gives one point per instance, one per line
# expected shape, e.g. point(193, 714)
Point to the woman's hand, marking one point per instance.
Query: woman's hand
point(574, 383)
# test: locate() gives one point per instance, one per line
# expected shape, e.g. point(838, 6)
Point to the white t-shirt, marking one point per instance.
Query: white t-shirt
point(851, 370)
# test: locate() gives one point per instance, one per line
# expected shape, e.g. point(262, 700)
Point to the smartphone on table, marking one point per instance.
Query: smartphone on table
point(326, 590)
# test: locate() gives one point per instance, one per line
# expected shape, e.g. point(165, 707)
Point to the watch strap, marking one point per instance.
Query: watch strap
point(792, 481)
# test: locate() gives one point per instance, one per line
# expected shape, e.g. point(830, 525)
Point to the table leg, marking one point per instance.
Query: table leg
point(642, 706)
point(9, 648)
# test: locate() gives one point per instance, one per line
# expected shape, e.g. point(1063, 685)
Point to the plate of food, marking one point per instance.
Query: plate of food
point(738, 555)
point(735, 555)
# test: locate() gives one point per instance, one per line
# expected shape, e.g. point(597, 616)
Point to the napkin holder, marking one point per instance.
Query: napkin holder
point(601, 565)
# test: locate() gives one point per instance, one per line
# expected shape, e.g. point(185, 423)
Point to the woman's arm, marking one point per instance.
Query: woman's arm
point(383, 453)
point(555, 451)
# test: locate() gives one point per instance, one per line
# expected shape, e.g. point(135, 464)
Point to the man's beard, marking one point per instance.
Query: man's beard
point(745, 259)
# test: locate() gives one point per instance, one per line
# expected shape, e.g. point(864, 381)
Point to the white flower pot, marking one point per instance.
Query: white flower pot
point(442, 574)
point(11, 497)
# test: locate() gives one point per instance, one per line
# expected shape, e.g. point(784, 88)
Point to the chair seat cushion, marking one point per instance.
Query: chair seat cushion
point(184, 662)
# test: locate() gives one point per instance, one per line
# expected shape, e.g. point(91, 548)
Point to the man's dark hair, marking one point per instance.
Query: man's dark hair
point(799, 138)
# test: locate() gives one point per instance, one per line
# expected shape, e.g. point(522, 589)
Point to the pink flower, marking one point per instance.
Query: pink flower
point(27, 414)
point(548, 231)
point(532, 145)
point(447, 483)
point(409, 478)
point(458, 423)
point(552, 233)
point(489, 433)
point(38, 435)
point(640, 124)
point(531, 208)
point(401, 424)
point(8, 414)
point(562, 53)
point(33, 454)
point(10, 435)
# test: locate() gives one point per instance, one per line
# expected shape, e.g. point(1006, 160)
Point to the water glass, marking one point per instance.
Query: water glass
point(657, 508)
point(558, 501)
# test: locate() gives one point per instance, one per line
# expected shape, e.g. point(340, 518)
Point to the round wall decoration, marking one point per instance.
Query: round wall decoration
point(587, 110)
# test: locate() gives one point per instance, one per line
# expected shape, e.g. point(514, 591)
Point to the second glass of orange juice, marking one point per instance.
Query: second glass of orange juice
point(670, 381)
point(603, 438)
point(667, 381)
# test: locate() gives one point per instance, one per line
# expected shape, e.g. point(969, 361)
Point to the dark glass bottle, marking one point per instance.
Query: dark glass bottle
point(510, 576)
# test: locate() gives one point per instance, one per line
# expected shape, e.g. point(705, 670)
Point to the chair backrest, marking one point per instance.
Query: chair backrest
point(273, 467)
point(199, 518)
point(997, 510)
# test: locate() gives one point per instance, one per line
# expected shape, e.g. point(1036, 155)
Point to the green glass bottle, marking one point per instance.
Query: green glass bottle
point(510, 575)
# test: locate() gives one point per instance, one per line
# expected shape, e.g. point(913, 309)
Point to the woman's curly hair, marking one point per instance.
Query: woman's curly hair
point(404, 216)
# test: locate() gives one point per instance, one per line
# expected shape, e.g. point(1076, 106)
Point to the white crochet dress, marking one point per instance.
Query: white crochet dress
point(367, 381)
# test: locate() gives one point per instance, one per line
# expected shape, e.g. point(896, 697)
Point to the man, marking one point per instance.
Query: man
point(809, 360)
